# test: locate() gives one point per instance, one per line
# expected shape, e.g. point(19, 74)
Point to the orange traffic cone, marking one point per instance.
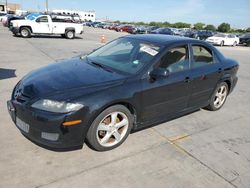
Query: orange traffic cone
point(103, 40)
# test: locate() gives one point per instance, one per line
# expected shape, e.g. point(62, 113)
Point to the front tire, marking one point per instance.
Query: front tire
point(25, 32)
point(110, 128)
point(219, 97)
point(234, 44)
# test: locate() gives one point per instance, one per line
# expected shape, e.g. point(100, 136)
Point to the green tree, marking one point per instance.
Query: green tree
point(199, 26)
point(181, 25)
point(248, 29)
point(224, 27)
point(166, 24)
point(155, 24)
point(210, 27)
point(140, 23)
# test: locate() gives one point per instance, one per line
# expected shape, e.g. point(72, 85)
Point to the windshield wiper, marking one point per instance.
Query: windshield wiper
point(99, 65)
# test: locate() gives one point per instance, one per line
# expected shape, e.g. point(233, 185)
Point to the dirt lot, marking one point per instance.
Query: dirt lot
point(203, 149)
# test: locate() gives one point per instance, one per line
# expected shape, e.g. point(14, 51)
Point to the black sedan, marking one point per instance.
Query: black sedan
point(129, 84)
point(163, 31)
point(245, 39)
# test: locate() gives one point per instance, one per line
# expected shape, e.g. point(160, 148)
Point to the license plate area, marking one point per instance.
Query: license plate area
point(22, 125)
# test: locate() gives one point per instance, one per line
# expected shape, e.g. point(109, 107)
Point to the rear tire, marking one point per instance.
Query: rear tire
point(234, 44)
point(25, 32)
point(70, 34)
point(110, 128)
point(219, 97)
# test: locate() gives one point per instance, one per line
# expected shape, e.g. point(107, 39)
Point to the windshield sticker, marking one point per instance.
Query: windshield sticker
point(149, 50)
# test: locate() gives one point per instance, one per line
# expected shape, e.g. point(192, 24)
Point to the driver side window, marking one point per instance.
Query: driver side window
point(42, 19)
point(176, 59)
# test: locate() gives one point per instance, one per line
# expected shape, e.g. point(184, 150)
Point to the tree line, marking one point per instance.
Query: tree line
point(223, 27)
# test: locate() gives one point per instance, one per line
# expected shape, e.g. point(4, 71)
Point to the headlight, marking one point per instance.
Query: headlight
point(15, 24)
point(55, 106)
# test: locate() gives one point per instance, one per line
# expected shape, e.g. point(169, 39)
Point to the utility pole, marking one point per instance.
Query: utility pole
point(47, 6)
point(6, 6)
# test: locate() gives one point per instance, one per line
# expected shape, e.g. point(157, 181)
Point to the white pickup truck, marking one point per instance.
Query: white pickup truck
point(45, 24)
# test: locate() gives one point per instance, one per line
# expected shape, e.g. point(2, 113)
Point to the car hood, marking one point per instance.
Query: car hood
point(22, 21)
point(67, 76)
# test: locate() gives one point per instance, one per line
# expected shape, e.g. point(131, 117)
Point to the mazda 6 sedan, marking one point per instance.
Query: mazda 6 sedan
point(129, 84)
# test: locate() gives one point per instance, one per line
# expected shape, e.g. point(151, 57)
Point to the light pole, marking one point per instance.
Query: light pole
point(6, 6)
point(47, 6)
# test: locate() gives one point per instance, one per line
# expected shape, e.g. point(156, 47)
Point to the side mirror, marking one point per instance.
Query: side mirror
point(159, 73)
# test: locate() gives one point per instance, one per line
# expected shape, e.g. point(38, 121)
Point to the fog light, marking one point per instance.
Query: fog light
point(50, 136)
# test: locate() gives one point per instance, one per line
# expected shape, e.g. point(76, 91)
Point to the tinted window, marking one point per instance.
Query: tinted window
point(42, 19)
point(176, 59)
point(202, 56)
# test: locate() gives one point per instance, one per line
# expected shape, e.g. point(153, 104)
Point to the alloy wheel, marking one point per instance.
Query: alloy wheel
point(220, 96)
point(112, 129)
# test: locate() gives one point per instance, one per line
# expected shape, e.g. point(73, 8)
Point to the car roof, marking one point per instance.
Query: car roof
point(161, 39)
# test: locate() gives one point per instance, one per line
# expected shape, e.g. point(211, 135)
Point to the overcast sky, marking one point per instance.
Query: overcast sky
point(237, 13)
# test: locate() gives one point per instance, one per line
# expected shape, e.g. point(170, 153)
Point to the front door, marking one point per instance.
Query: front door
point(42, 25)
point(164, 96)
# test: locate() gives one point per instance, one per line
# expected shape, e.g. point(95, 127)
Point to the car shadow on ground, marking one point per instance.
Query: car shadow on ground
point(7, 73)
point(50, 36)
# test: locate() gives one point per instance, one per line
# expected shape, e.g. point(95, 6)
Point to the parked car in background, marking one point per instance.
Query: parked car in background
point(187, 33)
point(127, 28)
point(66, 103)
point(46, 24)
point(202, 34)
point(15, 17)
point(5, 19)
point(245, 39)
point(164, 31)
point(223, 39)
point(2, 15)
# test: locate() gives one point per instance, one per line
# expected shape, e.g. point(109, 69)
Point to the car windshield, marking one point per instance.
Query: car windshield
point(32, 16)
point(125, 55)
point(220, 35)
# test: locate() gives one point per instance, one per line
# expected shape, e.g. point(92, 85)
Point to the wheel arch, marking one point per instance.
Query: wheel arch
point(27, 26)
point(227, 79)
point(70, 29)
point(127, 104)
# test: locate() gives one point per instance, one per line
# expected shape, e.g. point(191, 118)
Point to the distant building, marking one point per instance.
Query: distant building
point(11, 7)
point(84, 15)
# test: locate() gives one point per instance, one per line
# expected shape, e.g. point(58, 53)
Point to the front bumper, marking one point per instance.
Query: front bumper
point(14, 30)
point(46, 129)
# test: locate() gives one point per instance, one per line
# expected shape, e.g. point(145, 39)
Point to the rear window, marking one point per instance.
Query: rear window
point(202, 56)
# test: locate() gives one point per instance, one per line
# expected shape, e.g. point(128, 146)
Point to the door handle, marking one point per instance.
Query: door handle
point(187, 80)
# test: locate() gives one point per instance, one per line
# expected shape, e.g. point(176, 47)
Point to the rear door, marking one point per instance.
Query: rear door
point(205, 74)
